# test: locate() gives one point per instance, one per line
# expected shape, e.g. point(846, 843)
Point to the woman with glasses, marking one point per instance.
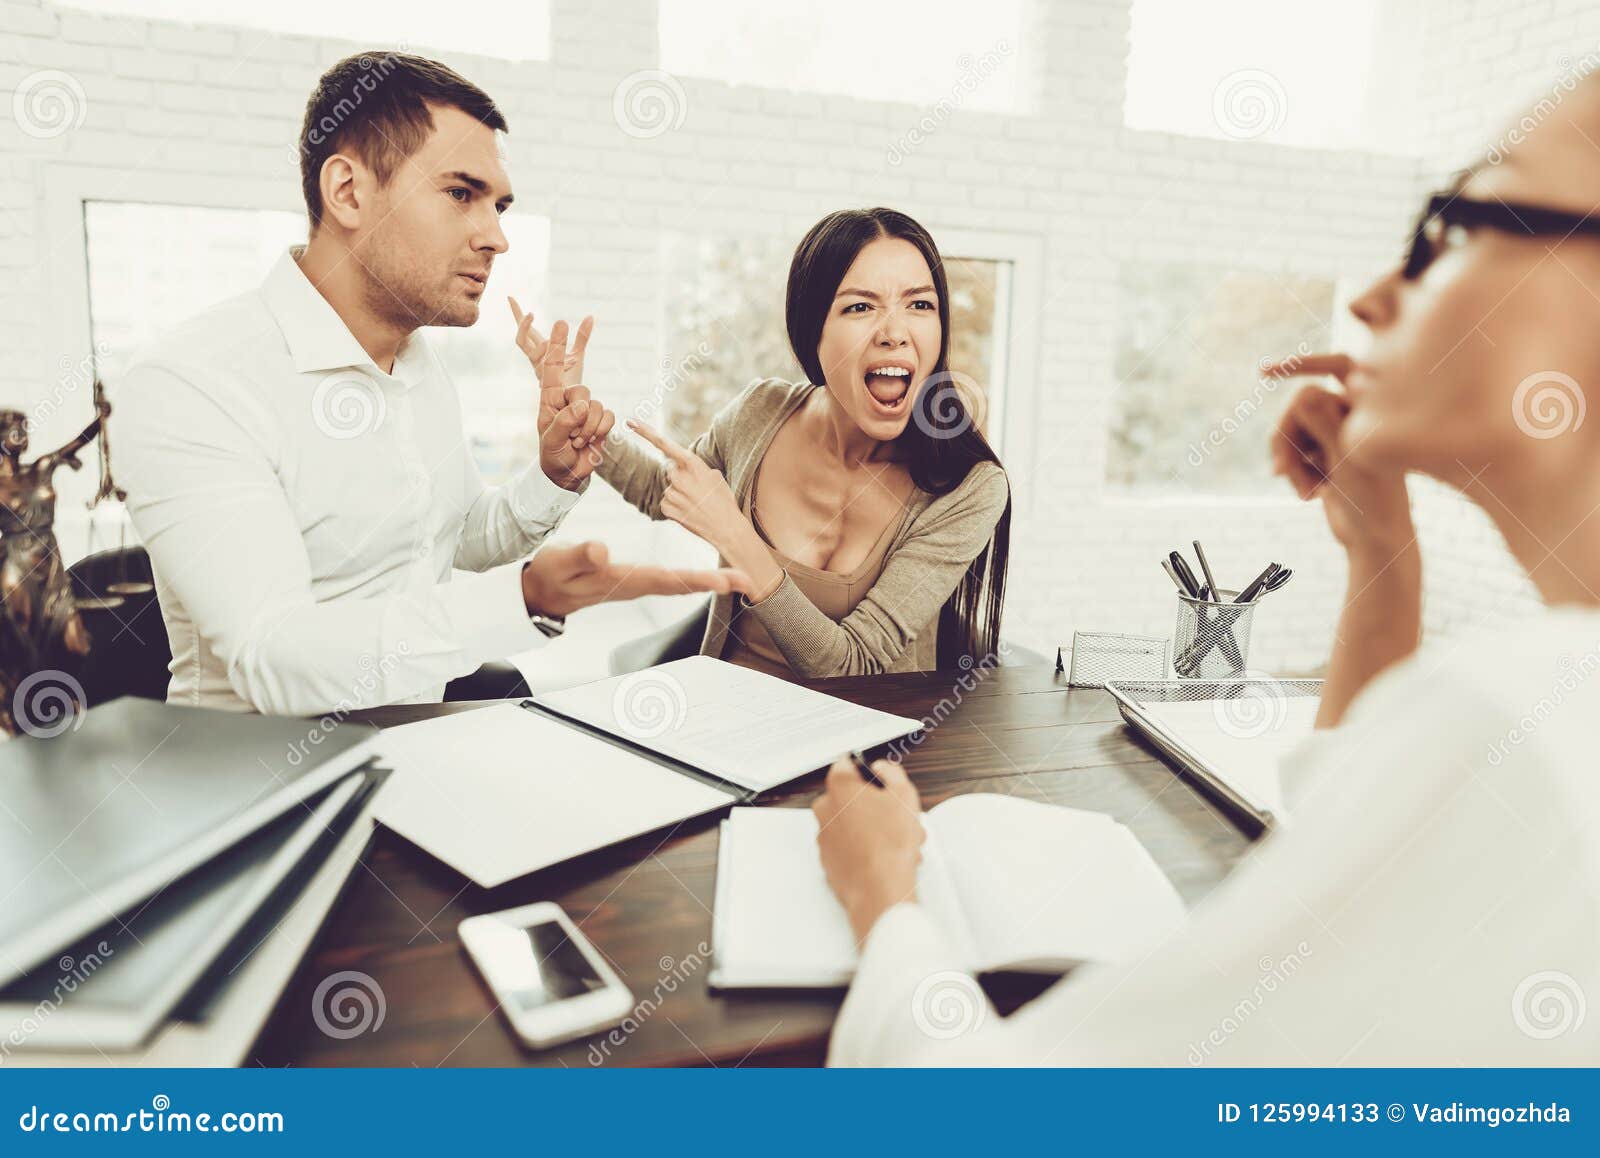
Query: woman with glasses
point(1436, 899)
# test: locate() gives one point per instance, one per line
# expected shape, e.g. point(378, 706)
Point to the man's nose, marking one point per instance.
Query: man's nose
point(492, 237)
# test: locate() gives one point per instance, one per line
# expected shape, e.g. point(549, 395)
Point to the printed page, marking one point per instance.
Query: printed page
point(744, 726)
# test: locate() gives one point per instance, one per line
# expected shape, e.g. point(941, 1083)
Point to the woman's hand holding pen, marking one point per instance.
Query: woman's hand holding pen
point(870, 839)
point(1369, 512)
point(699, 499)
point(572, 426)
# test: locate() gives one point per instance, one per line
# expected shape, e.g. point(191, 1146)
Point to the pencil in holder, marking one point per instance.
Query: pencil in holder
point(1212, 640)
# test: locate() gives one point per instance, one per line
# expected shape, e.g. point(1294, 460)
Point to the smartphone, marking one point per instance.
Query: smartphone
point(552, 984)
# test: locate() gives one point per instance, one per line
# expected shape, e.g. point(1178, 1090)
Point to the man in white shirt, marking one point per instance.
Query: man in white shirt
point(1435, 899)
point(294, 458)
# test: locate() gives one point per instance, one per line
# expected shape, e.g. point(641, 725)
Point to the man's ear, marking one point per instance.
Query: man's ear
point(343, 190)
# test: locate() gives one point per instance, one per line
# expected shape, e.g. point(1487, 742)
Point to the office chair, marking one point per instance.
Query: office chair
point(129, 653)
point(677, 640)
point(128, 649)
point(492, 681)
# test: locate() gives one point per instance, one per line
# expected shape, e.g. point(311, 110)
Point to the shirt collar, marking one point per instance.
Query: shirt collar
point(317, 337)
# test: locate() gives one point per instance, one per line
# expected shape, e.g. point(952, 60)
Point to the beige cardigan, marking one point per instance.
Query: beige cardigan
point(926, 558)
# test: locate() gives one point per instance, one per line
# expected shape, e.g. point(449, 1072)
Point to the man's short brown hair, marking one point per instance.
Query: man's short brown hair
point(375, 105)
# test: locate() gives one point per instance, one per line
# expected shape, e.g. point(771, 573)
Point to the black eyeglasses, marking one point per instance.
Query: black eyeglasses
point(1447, 211)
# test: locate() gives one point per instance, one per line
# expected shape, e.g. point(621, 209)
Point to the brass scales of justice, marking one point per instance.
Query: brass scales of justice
point(41, 626)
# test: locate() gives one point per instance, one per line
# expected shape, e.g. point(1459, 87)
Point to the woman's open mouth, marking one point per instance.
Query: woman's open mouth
point(889, 387)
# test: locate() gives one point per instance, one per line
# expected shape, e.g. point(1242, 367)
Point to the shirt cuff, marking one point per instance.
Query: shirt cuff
point(488, 617)
point(878, 1025)
point(535, 499)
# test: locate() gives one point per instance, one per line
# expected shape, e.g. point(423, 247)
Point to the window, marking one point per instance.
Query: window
point(980, 302)
point(499, 393)
point(726, 327)
point(1328, 76)
point(1189, 410)
point(507, 29)
point(152, 266)
point(723, 327)
point(948, 50)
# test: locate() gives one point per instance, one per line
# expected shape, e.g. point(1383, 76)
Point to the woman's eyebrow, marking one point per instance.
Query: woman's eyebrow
point(861, 293)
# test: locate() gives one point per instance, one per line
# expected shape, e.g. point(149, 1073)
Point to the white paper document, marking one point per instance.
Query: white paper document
point(1014, 885)
point(1242, 745)
point(503, 791)
point(742, 726)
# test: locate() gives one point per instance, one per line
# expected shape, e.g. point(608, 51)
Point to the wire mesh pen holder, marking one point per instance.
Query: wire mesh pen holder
point(1098, 657)
point(1212, 640)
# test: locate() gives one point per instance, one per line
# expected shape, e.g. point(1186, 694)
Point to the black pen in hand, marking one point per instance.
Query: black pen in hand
point(867, 774)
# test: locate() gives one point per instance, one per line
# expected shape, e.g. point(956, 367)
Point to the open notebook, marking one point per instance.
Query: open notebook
point(1013, 884)
point(514, 788)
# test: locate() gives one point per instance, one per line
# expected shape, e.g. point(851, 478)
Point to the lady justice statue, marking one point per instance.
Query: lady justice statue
point(40, 627)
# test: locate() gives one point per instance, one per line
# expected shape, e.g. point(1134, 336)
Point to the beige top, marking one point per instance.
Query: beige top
point(834, 593)
point(887, 623)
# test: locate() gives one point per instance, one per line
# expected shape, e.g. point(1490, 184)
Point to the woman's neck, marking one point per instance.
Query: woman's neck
point(1552, 528)
point(842, 439)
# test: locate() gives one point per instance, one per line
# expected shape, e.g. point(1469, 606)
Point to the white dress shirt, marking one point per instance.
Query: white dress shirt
point(1436, 901)
point(303, 510)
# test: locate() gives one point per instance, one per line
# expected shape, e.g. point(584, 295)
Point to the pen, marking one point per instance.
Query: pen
point(862, 767)
point(1171, 574)
point(1278, 580)
point(1187, 576)
point(1205, 569)
point(1256, 585)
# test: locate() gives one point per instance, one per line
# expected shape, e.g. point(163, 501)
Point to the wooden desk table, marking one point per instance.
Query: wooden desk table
point(647, 903)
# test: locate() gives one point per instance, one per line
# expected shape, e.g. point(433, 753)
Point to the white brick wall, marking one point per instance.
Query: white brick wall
point(1082, 191)
point(1485, 64)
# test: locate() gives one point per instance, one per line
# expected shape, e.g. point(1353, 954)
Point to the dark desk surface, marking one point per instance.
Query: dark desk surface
point(647, 903)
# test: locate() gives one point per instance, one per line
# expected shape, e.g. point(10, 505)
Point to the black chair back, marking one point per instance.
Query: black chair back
point(677, 640)
point(128, 648)
point(129, 654)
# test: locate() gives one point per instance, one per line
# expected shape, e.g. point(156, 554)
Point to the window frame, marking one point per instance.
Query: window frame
point(64, 188)
point(1013, 425)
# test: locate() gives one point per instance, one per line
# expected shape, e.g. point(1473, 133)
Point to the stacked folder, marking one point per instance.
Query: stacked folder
point(146, 855)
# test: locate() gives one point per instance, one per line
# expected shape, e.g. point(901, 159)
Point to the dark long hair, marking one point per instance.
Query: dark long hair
point(941, 444)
